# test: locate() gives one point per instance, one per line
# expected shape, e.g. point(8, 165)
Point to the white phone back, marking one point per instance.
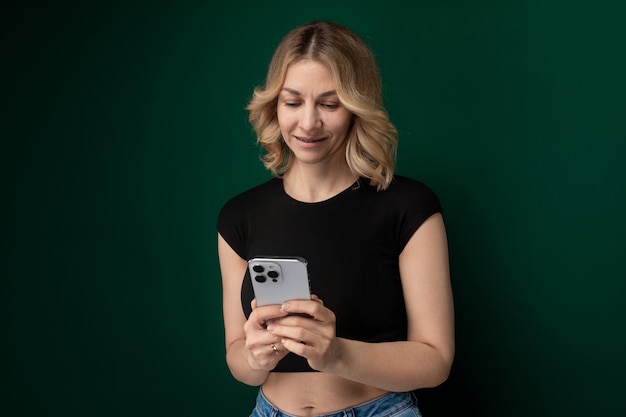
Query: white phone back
point(276, 280)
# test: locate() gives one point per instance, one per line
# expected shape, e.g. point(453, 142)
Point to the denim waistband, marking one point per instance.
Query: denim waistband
point(393, 404)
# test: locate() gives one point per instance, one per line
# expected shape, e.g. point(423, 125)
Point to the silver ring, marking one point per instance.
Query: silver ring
point(275, 349)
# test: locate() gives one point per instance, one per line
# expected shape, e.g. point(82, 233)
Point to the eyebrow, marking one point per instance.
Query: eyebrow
point(297, 93)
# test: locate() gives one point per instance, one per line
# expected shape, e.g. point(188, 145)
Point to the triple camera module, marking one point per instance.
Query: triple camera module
point(265, 272)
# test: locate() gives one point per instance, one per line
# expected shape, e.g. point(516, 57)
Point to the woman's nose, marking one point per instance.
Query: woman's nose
point(310, 118)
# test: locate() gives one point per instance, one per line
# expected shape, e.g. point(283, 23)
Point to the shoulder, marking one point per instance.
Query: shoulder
point(408, 189)
point(238, 206)
point(413, 202)
point(253, 195)
point(400, 182)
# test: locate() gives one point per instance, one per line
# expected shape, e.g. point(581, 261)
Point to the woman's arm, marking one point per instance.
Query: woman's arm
point(422, 361)
point(248, 352)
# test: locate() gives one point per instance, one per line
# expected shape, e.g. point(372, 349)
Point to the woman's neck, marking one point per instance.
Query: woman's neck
point(314, 185)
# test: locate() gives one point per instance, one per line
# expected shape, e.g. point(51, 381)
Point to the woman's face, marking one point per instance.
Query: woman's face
point(312, 120)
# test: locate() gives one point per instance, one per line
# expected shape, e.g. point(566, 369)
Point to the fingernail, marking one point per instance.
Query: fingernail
point(284, 307)
point(271, 327)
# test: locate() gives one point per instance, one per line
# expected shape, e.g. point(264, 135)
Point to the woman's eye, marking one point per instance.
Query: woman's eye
point(292, 103)
point(330, 106)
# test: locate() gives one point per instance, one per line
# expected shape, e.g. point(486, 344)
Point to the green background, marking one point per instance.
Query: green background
point(124, 131)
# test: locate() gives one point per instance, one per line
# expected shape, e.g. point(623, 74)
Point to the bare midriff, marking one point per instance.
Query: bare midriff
point(306, 394)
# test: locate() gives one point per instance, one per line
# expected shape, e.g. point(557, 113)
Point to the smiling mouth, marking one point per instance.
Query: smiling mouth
point(310, 140)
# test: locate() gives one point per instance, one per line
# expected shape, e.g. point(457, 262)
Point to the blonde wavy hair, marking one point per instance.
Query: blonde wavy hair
point(371, 141)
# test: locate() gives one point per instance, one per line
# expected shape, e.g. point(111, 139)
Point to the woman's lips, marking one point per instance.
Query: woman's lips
point(309, 140)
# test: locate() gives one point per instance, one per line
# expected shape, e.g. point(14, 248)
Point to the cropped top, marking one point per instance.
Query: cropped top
point(351, 242)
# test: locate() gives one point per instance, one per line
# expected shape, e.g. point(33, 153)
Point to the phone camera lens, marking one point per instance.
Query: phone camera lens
point(273, 275)
point(260, 278)
point(258, 268)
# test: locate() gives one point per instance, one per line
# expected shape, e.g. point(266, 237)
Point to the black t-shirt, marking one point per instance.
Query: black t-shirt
point(351, 242)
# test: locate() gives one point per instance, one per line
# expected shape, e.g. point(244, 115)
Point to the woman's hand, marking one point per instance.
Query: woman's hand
point(308, 331)
point(265, 349)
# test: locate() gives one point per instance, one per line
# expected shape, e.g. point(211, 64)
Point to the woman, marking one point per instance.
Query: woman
point(380, 322)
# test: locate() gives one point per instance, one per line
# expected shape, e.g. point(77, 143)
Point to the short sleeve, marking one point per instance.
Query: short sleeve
point(417, 202)
point(231, 225)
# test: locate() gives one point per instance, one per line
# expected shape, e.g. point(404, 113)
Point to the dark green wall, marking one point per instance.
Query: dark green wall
point(123, 132)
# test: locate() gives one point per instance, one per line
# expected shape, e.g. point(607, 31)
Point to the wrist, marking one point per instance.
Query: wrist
point(339, 363)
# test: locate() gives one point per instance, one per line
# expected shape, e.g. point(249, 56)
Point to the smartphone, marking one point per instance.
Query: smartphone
point(279, 279)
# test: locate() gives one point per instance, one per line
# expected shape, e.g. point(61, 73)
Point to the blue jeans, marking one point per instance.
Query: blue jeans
point(393, 404)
